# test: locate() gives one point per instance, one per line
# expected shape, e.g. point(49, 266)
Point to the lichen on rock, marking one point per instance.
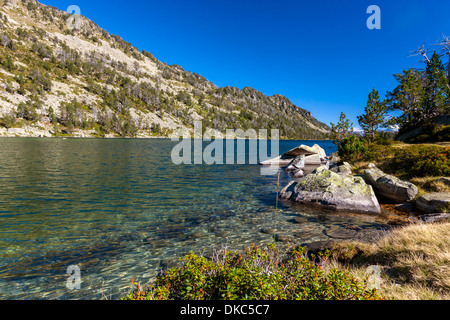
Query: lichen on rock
point(389, 186)
point(333, 191)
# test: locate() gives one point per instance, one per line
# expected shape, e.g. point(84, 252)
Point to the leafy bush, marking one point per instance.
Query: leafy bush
point(352, 148)
point(421, 161)
point(376, 151)
point(257, 275)
point(358, 148)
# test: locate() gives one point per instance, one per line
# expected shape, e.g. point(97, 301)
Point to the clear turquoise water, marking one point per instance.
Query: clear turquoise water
point(119, 209)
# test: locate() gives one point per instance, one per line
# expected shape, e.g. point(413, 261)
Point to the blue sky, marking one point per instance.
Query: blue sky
point(318, 53)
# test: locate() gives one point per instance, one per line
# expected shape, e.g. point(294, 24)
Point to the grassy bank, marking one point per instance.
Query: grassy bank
point(414, 261)
point(421, 164)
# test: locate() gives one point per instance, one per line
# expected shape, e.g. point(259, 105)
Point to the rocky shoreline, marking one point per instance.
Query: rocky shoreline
point(330, 184)
point(46, 130)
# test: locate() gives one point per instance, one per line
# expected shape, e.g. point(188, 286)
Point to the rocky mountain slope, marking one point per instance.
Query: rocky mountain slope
point(60, 77)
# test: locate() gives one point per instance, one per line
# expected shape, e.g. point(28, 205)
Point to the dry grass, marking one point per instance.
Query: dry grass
point(415, 261)
point(430, 184)
point(425, 184)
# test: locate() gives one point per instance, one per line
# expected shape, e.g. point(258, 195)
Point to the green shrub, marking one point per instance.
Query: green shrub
point(352, 148)
point(421, 161)
point(257, 275)
point(376, 151)
point(357, 148)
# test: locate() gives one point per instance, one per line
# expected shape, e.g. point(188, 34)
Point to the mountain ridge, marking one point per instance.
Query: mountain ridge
point(87, 82)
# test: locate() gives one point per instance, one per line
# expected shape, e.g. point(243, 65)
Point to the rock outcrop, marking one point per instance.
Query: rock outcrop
point(435, 202)
point(314, 159)
point(332, 191)
point(390, 187)
point(344, 169)
point(304, 150)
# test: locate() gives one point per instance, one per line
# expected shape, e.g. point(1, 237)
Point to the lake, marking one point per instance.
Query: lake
point(119, 209)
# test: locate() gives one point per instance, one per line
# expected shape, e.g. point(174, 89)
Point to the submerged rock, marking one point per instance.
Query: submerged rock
point(435, 202)
point(390, 187)
point(298, 220)
point(284, 238)
point(336, 232)
point(268, 230)
point(333, 191)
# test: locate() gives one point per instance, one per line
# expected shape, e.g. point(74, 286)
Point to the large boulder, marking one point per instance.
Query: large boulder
point(390, 187)
point(330, 190)
point(314, 159)
point(435, 202)
point(314, 155)
point(304, 150)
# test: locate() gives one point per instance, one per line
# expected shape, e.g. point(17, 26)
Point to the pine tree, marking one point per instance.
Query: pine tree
point(341, 130)
point(436, 90)
point(407, 97)
point(374, 116)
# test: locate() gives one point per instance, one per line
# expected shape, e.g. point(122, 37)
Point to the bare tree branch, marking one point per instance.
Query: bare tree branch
point(445, 44)
point(421, 51)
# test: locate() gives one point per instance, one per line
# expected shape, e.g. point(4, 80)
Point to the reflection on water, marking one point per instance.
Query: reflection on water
point(119, 209)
